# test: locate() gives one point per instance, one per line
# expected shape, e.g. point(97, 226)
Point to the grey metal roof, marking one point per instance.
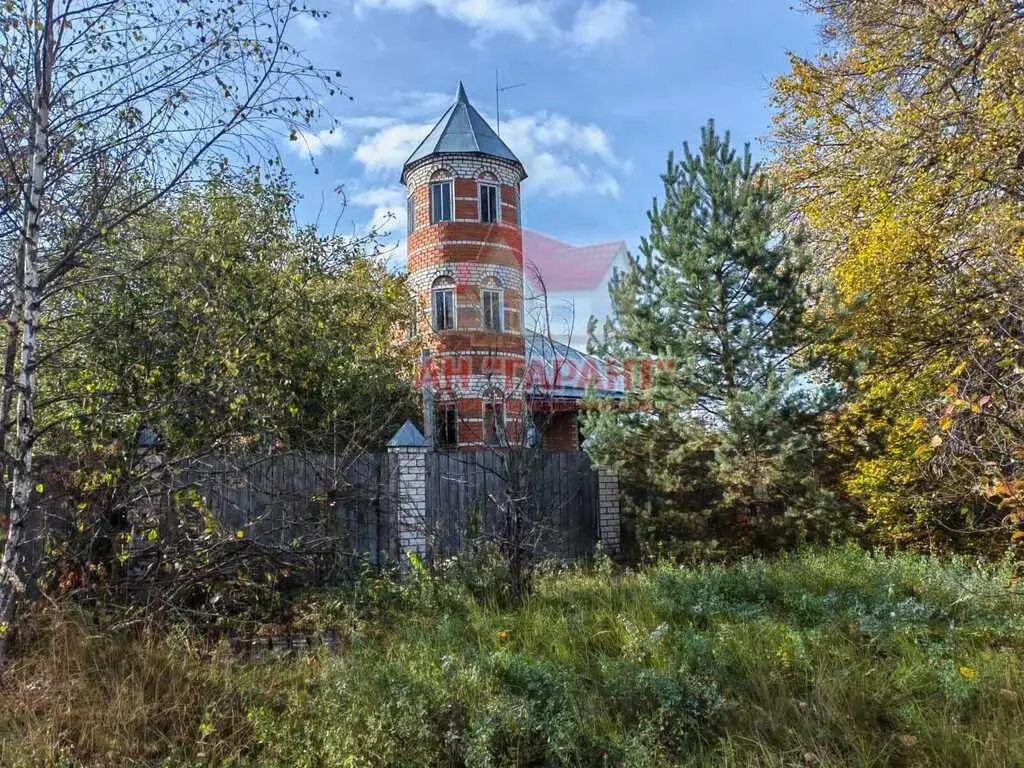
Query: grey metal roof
point(461, 129)
point(566, 372)
point(408, 437)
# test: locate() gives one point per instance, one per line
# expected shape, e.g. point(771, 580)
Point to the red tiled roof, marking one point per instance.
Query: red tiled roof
point(564, 267)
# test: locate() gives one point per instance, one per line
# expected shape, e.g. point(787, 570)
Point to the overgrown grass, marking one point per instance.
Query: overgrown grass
point(839, 658)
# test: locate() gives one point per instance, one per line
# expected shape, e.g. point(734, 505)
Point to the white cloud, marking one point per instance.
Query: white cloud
point(602, 22)
point(366, 122)
point(307, 143)
point(391, 147)
point(562, 157)
point(528, 19)
point(390, 224)
point(594, 22)
point(606, 184)
point(555, 130)
point(388, 221)
point(388, 197)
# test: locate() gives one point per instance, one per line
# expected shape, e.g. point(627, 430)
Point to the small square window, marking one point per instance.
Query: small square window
point(446, 426)
point(490, 301)
point(489, 203)
point(444, 309)
point(440, 201)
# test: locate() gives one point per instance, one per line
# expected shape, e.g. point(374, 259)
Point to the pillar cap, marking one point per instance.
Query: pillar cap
point(408, 437)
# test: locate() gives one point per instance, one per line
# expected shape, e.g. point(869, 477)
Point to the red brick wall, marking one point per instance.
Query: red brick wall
point(470, 412)
point(559, 431)
point(466, 209)
point(465, 188)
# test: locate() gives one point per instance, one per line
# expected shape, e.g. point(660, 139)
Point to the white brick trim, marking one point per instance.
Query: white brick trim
point(463, 166)
point(485, 243)
point(411, 513)
point(466, 273)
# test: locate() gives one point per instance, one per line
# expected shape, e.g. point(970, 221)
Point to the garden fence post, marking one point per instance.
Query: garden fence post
point(610, 520)
point(409, 449)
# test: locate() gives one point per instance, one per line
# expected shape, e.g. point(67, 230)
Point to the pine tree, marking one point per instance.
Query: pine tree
point(724, 442)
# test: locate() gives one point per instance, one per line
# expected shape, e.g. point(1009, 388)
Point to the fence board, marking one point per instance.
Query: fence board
point(281, 498)
point(560, 502)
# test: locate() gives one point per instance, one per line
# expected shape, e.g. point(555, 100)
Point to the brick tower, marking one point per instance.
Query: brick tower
point(466, 271)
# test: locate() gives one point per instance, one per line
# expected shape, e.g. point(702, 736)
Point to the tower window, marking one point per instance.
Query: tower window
point(440, 201)
point(491, 300)
point(443, 297)
point(494, 423)
point(446, 426)
point(410, 205)
point(489, 203)
point(491, 304)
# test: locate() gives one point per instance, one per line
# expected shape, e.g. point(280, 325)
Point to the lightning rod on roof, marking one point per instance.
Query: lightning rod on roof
point(498, 89)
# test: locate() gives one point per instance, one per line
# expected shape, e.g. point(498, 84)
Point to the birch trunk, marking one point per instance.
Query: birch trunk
point(7, 393)
point(12, 574)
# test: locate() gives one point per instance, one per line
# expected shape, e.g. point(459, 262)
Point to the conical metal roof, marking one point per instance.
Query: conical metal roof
point(461, 129)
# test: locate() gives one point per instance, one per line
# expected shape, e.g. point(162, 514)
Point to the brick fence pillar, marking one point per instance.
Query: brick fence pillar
point(409, 449)
point(608, 505)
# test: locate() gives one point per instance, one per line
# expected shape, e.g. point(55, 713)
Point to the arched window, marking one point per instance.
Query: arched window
point(488, 197)
point(443, 303)
point(492, 305)
point(442, 203)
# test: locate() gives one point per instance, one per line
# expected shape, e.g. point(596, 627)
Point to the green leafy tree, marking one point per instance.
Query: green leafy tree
point(725, 441)
point(225, 327)
point(222, 328)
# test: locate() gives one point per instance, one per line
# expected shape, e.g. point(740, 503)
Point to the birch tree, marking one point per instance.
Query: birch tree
point(108, 107)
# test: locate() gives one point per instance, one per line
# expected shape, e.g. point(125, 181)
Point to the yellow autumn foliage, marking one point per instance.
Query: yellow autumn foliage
point(903, 143)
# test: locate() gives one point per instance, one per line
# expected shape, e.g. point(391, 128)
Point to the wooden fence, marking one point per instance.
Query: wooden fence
point(288, 497)
point(284, 498)
point(355, 507)
point(556, 494)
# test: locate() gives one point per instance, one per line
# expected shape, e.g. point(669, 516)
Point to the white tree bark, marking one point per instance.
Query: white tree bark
point(23, 478)
point(7, 386)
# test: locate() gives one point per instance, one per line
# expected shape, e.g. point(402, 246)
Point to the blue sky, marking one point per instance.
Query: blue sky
point(610, 87)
